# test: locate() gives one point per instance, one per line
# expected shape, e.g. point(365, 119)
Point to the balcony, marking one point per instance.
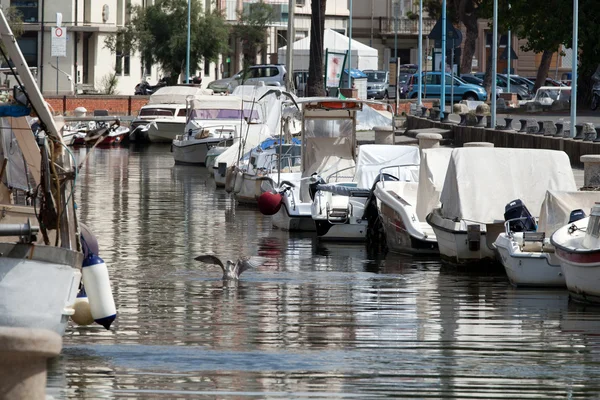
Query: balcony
point(385, 26)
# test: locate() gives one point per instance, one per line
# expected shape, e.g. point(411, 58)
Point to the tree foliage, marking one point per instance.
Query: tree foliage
point(159, 33)
point(251, 29)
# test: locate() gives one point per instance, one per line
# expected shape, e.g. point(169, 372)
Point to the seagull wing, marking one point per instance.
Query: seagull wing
point(250, 262)
point(210, 259)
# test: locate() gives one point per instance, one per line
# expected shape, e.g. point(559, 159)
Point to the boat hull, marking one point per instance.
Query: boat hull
point(38, 286)
point(398, 237)
point(535, 269)
point(192, 152)
point(294, 221)
point(454, 246)
point(582, 273)
point(356, 232)
point(165, 131)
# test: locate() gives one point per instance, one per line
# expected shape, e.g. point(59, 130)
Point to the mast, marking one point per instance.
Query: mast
point(289, 54)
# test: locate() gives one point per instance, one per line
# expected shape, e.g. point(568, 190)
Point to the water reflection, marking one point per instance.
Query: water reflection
point(316, 320)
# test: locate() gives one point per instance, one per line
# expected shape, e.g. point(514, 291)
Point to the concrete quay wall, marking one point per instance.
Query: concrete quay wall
point(512, 139)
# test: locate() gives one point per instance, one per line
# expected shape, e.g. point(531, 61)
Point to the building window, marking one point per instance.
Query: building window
point(122, 61)
point(28, 42)
point(29, 9)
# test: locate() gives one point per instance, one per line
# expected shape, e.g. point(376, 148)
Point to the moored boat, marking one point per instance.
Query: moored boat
point(578, 249)
point(479, 183)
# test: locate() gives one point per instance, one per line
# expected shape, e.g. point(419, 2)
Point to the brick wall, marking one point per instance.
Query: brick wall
point(116, 105)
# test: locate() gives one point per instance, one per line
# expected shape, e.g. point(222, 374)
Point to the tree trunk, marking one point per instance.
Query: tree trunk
point(315, 86)
point(542, 73)
point(487, 81)
point(468, 17)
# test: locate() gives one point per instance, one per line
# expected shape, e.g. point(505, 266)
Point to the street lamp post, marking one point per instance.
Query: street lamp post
point(289, 60)
point(443, 66)
point(419, 91)
point(350, 48)
point(495, 63)
point(187, 53)
point(575, 47)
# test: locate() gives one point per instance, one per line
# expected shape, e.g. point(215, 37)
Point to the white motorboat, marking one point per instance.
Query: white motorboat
point(478, 185)
point(328, 144)
point(265, 166)
point(167, 109)
point(340, 201)
point(271, 111)
point(38, 279)
point(211, 120)
point(577, 246)
point(404, 205)
point(528, 256)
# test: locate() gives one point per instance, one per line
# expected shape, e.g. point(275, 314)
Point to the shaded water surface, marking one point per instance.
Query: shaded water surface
point(316, 321)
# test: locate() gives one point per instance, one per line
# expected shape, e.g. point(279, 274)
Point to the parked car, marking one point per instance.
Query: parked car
point(270, 74)
point(220, 85)
point(469, 78)
point(522, 92)
point(378, 84)
point(548, 81)
point(522, 81)
point(432, 88)
point(403, 84)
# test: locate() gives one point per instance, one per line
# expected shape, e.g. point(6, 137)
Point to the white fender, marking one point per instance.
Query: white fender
point(83, 313)
point(99, 293)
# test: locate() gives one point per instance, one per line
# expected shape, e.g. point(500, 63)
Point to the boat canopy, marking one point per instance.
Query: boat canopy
point(481, 181)
point(557, 206)
point(432, 174)
point(178, 94)
point(373, 157)
point(252, 136)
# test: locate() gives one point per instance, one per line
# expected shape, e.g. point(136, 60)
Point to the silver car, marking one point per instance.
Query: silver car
point(378, 84)
point(270, 74)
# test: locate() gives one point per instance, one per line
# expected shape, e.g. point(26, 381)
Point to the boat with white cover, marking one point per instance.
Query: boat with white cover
point(167, 109)
point(527, 255)
point(340, 202)
point(211, 119)
point(404, 205)
point(479, 183)
point(577, 246)
point(40, 263)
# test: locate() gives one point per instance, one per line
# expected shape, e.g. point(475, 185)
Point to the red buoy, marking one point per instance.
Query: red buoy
point(269, 203)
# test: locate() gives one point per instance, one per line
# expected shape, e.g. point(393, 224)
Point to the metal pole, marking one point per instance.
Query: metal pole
point(289, 60)
point(508, 60)
point(350, 48)
point(56, 75)
point(443, 66)
point(452, 77)
point(575, 58)
point(495, 63)
point(419, 91)
point(187, 55)
point(397, 81)
point(396, 8)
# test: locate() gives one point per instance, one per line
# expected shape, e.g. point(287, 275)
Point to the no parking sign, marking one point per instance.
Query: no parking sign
point(59, 42)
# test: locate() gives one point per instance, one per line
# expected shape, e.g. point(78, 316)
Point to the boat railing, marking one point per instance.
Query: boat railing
point(383, 175)
point(344, 178)
point(507, 230)
point(277, 162)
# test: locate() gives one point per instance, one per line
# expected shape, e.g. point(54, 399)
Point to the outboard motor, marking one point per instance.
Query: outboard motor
point(576, 215)
point(312, 187)
point(522, 219)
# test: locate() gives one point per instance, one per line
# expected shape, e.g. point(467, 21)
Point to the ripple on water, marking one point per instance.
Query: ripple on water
point(316, 321)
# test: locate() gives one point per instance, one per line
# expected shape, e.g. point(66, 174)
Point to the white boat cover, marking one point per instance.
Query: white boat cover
point(19, 148)
point(557, 207)
point(256, 134)
point(269, 108)
point(177, 94)
point(481, 181)
point(373, 157)
point(203, 102)
point(432, 174)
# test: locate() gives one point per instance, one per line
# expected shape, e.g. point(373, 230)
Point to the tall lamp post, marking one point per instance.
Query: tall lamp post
point(443, 66)
point(187, 53)
point(290, 43)
point(350, 48)
point(575, 47)
point(495, 63)
point(419, 91)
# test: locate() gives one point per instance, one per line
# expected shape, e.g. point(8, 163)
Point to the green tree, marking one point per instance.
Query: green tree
point(252, 28)
point(159, 33)
point(315, 86)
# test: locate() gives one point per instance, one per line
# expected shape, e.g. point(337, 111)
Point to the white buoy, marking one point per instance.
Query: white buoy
point(83, 313)
point(99, 293)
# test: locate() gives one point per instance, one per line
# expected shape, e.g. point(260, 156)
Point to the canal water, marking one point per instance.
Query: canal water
point(316, 321)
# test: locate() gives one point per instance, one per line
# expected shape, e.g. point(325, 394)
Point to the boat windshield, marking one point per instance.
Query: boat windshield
point(160, 112)
point(217, 113)
point(323, 128)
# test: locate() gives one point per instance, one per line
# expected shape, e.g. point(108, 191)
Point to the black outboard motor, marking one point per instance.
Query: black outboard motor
point(523, 221)
point(576, 215)
point(312, 187)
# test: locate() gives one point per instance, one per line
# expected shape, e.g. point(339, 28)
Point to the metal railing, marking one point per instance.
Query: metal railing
point(402, 26)
point(398, 167)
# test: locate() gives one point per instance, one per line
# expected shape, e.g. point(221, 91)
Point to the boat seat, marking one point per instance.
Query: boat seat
point(533, 242)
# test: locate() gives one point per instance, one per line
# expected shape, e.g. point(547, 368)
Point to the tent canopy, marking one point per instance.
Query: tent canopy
point(363, 56)
point(557, 207)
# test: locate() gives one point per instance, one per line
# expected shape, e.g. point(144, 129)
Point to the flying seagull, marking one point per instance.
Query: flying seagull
point(232, 270)
point(278, 93)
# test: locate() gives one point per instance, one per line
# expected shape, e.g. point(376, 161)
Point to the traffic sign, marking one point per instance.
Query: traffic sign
point(453, 35)
point(59, 42)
